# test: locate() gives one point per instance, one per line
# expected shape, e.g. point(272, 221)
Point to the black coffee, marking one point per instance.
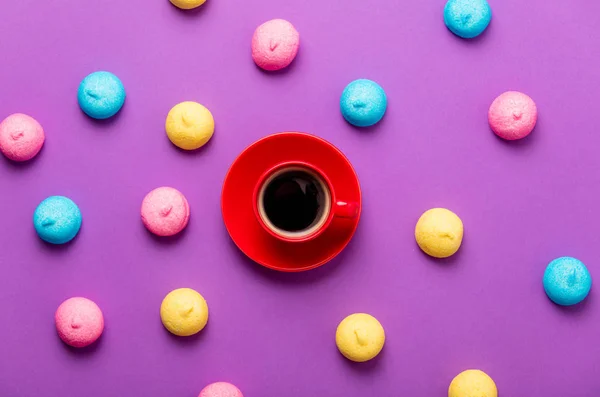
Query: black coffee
point(293, 201)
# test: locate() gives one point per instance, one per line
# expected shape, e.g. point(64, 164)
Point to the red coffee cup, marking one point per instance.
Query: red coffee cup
point(296, 202)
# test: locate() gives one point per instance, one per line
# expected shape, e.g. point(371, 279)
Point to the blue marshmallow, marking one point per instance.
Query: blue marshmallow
point(567, 281)
point(363, 103)
point(467, 18)
point(101, 95)
point(57, 220)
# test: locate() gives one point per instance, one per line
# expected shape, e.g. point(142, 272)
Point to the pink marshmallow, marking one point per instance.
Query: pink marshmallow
point(21, 137)
point(512, 115)
point(275, 44)
point(165, 211)
point(79, 322)
point(220, 389)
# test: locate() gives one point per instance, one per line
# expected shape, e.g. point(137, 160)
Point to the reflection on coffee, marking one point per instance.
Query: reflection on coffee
point(293, 201)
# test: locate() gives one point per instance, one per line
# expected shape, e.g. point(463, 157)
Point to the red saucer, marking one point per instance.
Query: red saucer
point(238, 209)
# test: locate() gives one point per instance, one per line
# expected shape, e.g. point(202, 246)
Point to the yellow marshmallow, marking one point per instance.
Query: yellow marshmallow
point(439, 232)
point(187, 4)
point(184, 312)
point(360, 337)
point(189, 125)
point(472, 383)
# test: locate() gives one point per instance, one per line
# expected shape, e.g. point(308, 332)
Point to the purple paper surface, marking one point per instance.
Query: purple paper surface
point(522, 203)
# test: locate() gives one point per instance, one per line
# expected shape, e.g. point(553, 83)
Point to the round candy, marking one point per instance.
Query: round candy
point(220, 389)
point(79, 322)
point(165, 211)
point(472, 383)
point(101, 95)
point(57, 220)
point(512, 115)
point(363, 103)
point(439, 232)
point(275, 44)
point(189, 125)
point(567, 281)
point(467, 18)
point(360, 337)
point(187, 4)
point(184, 312)
point(21, 137)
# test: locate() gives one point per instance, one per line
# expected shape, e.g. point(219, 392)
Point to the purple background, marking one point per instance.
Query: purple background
point(522, 203)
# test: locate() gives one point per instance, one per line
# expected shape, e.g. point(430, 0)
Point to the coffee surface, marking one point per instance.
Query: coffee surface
point(292, 201)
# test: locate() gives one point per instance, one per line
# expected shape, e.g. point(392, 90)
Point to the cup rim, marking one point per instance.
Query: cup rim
point(288, 164)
